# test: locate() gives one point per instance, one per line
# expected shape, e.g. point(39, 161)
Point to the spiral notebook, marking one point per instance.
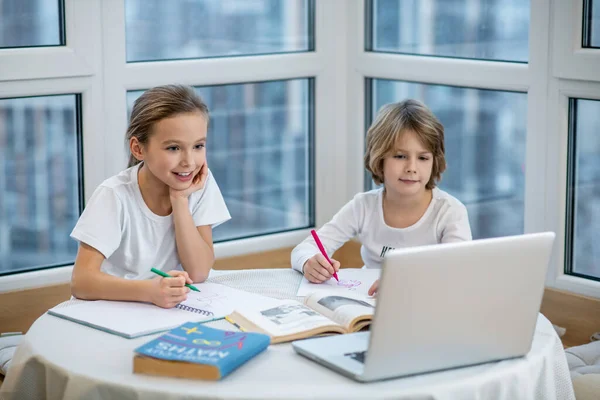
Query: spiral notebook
point(133, 319)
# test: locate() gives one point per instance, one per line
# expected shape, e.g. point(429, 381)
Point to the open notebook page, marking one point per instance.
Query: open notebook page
point(219, 300)
point(133, 319)
point(127, 319)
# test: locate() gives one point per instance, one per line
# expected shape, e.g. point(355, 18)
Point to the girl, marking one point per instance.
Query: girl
point(157, 213)
point(405, 153)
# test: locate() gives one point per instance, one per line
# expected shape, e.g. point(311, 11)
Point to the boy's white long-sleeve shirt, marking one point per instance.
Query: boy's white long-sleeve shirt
point(444, 221)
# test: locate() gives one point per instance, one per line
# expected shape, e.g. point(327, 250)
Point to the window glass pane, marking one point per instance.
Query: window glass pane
point(479, 29)
point(40, 179)
point(25, 23)
point(260, 151)
point(591, 23)
point(485, 149)
point(179, 29)
point(584, 188)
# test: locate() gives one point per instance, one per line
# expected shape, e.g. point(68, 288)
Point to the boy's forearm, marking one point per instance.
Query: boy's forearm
point(101, 286)
point(301, 253)
point(196, 256)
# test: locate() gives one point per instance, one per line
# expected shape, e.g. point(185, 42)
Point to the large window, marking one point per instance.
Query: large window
point(481, 29)
point(56, 147)
point(28, 23)
point(259, 150)
point(583, 185)
point(485, 125)
point(292, 86)
point(40, 171)
point(180, 29)
point(485, 149)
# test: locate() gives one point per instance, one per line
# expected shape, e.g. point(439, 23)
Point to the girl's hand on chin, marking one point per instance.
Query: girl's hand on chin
point(197, 183)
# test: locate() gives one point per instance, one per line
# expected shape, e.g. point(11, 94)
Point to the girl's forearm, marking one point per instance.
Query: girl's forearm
point(96, 285)
point(196, 256)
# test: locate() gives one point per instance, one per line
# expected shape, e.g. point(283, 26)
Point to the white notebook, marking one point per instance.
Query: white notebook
point(133, 319)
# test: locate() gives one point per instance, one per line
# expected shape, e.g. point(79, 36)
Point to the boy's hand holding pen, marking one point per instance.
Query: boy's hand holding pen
point(320, 268)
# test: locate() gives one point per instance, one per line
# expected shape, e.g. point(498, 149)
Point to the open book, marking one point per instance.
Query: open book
point(134, 319)
point(319, 314)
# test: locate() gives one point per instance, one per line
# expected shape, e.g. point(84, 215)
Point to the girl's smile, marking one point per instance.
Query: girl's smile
point(184, 176)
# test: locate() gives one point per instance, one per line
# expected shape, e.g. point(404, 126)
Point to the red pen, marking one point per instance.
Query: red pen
point(320, 245)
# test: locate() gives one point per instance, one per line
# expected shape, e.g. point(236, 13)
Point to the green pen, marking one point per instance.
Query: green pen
point(165, 275)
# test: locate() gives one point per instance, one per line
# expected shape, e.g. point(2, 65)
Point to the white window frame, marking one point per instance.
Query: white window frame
point(570, 59)
point(556, 201)
point(79, 57)
point(71, 69)
point(574, 74)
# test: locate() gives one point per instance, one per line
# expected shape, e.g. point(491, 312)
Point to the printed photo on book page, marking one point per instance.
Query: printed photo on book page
point(343, 309)
point(287, 317)
point(355, 281)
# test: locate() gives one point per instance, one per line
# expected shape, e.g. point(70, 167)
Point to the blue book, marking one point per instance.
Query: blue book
point(196, 351)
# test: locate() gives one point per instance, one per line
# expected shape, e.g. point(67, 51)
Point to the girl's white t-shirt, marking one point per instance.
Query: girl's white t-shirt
point(117, 222)
point(444, 221)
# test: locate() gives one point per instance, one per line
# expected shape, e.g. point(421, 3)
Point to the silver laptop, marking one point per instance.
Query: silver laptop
point(445, 306)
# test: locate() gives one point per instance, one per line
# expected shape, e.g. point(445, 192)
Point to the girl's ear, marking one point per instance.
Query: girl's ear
point(136, 148)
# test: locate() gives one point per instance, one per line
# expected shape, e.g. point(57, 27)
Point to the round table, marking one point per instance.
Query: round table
point(59, 359)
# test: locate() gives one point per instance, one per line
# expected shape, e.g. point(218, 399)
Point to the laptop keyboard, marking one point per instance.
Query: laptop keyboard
point(358, 356)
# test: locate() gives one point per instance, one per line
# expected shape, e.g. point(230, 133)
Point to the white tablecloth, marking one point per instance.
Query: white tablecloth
point(59, 359)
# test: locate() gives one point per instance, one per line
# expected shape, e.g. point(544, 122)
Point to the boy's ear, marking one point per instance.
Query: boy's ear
point(136, 148)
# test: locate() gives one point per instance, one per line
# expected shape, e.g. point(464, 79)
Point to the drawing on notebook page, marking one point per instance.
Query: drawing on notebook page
point(206, 302)
point(217, 300)
point(203, 299)
point(356, 281)
point(349, 284)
